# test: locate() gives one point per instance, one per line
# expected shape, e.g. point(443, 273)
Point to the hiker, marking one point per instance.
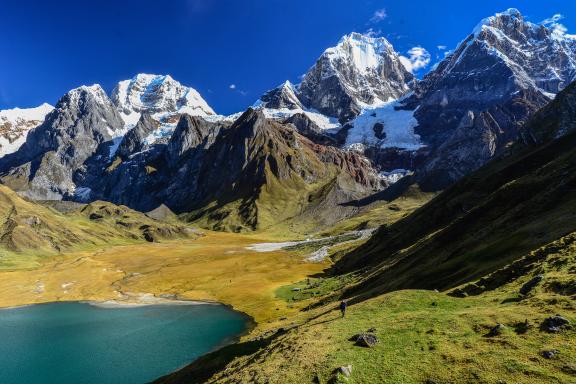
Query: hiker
point(343, 306)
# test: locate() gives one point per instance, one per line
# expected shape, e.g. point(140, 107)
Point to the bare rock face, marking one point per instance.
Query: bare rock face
point(359, 70)
point(553, 121)
point(555, 324)
point(135, 139)
point(307, 127)
point(43, 167)
point(208, 168)
point(283, 96)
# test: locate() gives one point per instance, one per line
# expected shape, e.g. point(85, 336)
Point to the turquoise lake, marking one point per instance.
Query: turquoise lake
point(79, 343)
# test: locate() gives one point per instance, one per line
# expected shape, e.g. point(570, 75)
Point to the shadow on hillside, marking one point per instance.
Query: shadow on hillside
point(204, 367)
point(389, 194)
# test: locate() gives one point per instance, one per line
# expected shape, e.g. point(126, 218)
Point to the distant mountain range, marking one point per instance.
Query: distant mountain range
point(358, 122)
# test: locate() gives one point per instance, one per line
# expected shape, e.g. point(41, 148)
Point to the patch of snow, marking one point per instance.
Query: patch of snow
point(114, 147)
point(17, 122)
point(398, 127)
point(165, 130)
point(230, 118)
point(394, 175)
point(319, 255)
point(7, 146)
point(322, 121)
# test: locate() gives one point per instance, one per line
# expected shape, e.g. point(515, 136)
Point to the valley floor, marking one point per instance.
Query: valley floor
point(214, 267)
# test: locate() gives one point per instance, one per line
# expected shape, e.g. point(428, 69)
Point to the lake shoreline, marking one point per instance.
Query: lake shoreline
point(113, 325)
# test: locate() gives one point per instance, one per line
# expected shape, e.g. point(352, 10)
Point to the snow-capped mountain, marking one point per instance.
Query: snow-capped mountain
point(504, 54)
point(282, 104)
point(359, 71)
point(473, 103)
point(358, 95)
point(15, 124)
point(164, 98)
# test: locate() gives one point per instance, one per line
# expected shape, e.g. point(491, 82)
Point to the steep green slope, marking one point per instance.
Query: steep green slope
point(424, 336)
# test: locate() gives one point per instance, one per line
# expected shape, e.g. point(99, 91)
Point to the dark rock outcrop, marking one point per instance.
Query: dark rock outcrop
point(367, 340)
point(134, 140)
point(531, 284)
point(555, 324)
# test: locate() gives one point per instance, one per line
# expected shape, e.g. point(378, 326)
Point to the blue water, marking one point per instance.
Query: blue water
point(78, 343)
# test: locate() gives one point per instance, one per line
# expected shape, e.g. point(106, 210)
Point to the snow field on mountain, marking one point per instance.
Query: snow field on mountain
point(398, 127)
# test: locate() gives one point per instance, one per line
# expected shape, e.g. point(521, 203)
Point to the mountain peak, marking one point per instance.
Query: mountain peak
point(15, 124)
point(283, 96)
point(157, 94)
point(360, 70)
point(363, 51)
point(358, 38)
point(78, 96)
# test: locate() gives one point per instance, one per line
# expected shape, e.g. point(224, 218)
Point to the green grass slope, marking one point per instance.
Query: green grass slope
point(30, 231)
point(424, 336)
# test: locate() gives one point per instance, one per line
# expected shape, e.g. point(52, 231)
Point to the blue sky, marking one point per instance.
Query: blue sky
point(49, 47)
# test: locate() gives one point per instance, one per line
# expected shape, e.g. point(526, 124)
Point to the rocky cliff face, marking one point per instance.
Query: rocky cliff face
point(281, 97)
point(553, 121)
point(136, 139)
point(44, 165)
point(251, 174)
point(474, 103)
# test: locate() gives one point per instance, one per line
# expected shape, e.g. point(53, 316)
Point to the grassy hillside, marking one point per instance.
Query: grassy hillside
point(31, 231)
point(424, 336)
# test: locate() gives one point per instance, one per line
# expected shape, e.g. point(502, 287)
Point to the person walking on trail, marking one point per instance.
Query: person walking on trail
point(343, 306)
